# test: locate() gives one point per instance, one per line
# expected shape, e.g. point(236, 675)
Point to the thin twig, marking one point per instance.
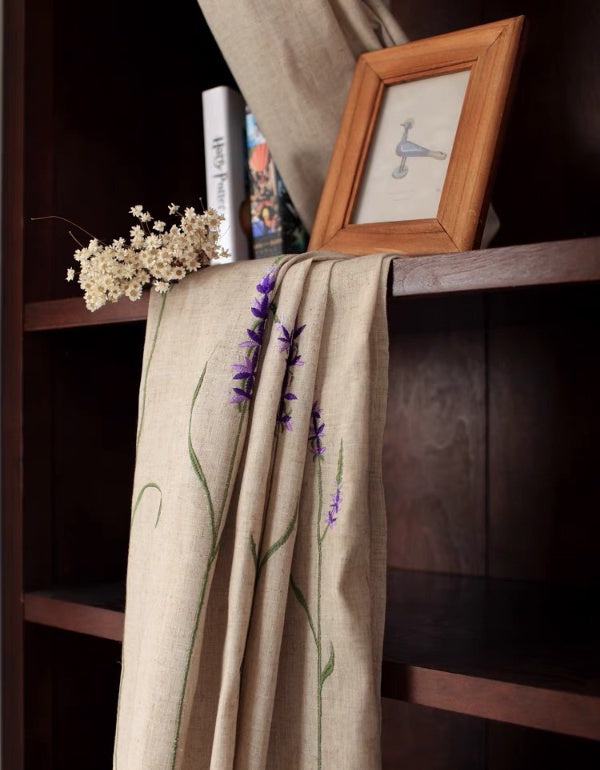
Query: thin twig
point(68, 221)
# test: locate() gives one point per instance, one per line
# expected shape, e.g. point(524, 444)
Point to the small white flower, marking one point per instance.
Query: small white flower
point(158, 255)
point(153, 241)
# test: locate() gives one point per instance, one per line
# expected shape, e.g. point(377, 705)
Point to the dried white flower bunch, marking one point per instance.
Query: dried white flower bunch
point(156, 254)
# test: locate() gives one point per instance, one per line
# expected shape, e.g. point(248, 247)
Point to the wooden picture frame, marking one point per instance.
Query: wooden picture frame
point(427, 115)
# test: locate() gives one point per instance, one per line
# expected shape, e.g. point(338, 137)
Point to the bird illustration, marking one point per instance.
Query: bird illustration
point(406, 149)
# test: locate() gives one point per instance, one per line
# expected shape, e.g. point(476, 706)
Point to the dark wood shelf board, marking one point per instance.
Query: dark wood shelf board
point(536, 264)
point(487, 648)
point(95, 610)
point(507, 650)
point(67, 313)
point(537, 707)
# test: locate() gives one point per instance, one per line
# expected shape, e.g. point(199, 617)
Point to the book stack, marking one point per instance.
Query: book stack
point(223, 115)
point(275, 224)
point(243, 183)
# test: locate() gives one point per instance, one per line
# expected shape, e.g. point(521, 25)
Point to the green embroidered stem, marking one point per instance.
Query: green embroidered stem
point(196, 463)
point(302, 601)
point(209, 563)
point(254, 546)
point(231, 465)
point(276, 545)
point(215, 544)
point(138, 500)
point(145, 383)
point(319, 649)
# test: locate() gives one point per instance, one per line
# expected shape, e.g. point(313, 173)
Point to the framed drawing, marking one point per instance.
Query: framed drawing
point(413, 160)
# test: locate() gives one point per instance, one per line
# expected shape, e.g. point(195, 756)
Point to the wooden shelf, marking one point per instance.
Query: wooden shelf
point(67, 313)
point(95, 610)
point(502, 650)
point(537, 264)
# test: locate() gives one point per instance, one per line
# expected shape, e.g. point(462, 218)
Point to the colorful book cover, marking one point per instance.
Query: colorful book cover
point(223, 112)
point(275, 225)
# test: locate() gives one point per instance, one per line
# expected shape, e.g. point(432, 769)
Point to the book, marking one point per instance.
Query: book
point(223, 116)
point(276, 227)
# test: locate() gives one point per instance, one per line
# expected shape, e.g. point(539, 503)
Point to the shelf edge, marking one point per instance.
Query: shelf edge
point(73, 616)
point(536, 707)
point(71, 312)
point(535, 264)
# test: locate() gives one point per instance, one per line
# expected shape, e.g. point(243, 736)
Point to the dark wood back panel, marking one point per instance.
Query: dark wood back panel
point(434, 446)
point(544, 430)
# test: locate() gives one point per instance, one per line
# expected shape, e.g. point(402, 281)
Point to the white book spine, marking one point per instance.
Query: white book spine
point(223, 111)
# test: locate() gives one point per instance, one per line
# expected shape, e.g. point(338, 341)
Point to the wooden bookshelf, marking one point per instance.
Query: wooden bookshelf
point(490, 451)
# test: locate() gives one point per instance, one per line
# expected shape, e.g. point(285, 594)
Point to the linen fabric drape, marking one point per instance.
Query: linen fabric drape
point(256, 576)
point(293, 63)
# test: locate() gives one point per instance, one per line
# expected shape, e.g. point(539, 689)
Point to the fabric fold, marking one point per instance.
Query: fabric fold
point(256, 574)
point(302, 58)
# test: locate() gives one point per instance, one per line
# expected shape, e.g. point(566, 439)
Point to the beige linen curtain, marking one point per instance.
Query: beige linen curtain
point(293, 62)
point(256, 577)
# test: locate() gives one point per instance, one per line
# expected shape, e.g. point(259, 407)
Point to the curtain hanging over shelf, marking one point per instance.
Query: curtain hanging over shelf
point(293, 62)
point(256, 577)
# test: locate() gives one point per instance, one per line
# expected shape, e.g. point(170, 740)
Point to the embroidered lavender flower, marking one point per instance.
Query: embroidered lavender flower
point(245, 371)
point(316, 432)
point(266, 284)
point(288, 342)
point(334, 508)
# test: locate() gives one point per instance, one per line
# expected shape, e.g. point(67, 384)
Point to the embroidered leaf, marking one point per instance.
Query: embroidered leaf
point(278, 543)
point(194, 457)
point(302, 602)
point(340, 465)
point(150, 485)
point(328, 670)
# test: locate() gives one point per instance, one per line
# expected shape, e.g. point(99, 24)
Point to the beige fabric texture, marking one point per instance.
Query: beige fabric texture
point(256, 578)
point(293, 63)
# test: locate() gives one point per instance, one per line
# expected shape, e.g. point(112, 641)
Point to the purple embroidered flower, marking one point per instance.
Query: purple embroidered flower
point(266, 284)
point(246, 370)
point(289, 343)
point(287, 339)
point(334, 508)
point(260, 307)
point(317, 431)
